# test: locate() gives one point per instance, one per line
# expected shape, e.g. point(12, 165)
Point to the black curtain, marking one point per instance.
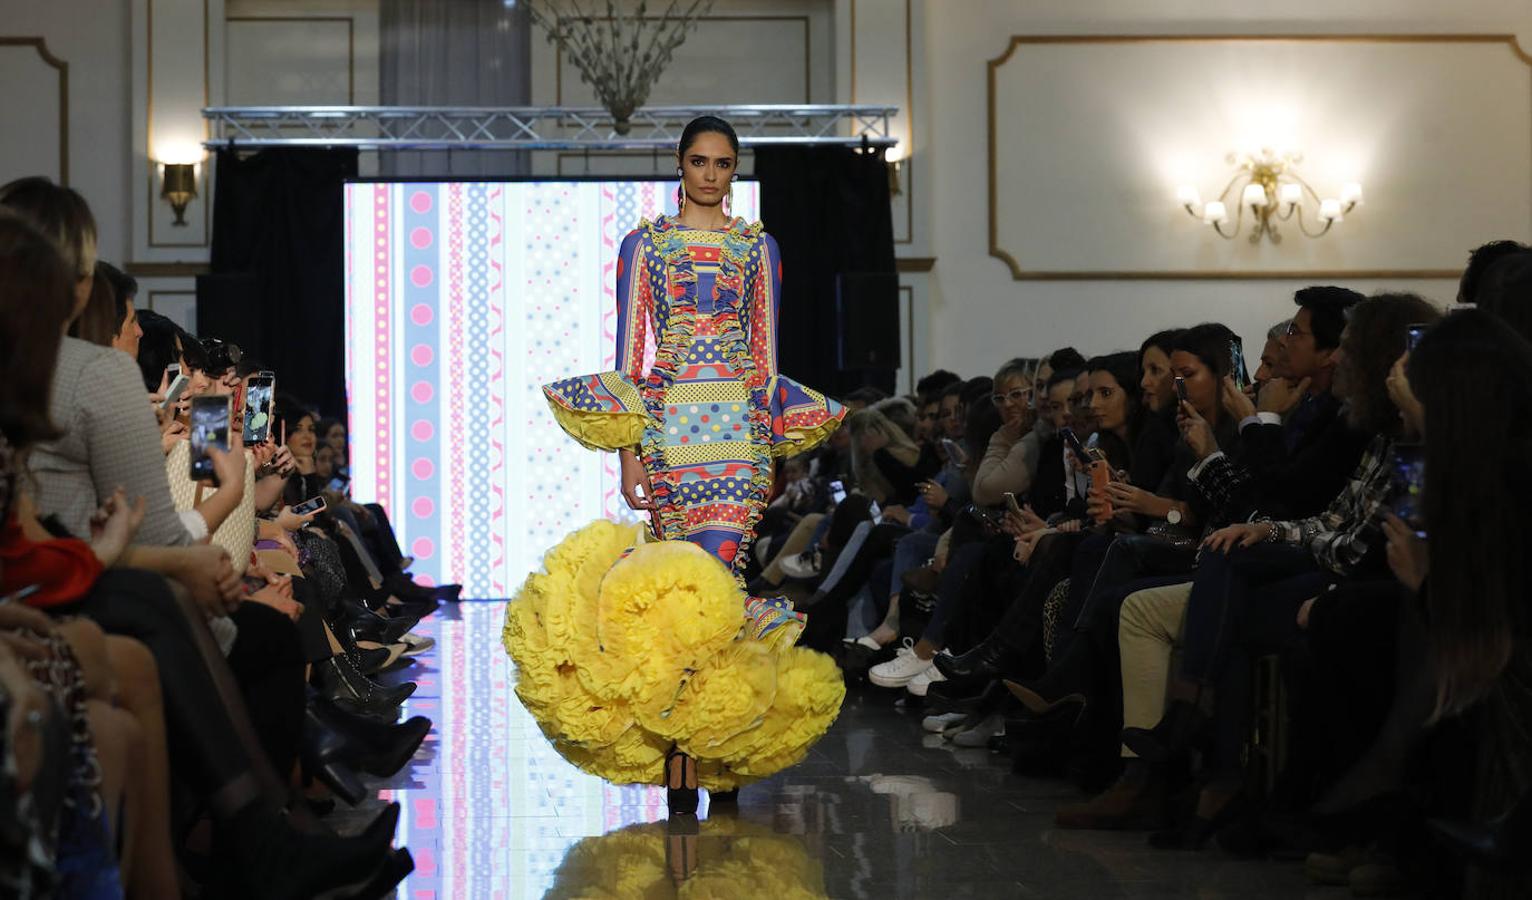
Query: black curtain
point(278, 279)
point(828, 208)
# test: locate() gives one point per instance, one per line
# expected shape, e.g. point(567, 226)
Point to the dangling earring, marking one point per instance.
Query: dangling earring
point(681, 195)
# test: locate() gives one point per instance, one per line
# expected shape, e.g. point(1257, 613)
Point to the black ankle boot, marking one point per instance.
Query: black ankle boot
point(257, 853)
point(368, 662)
point(377, 748)
point(328, 756)
point(1172, 738)
point(338, 679)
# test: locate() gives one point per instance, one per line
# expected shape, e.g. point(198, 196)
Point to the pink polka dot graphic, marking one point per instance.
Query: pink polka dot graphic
point(423, 507)
point(423, 548)
point(420, 202)
point(422, 392)
point(421, 314)
point(420, 237)
point(420, 276)
point(422, 431)
point(422, 468)
point(421, 354)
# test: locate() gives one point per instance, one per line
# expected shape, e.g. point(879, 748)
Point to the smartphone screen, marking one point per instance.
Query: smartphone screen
point(1413, 335)
point(1409, 481)
point(1181, 388)
point(838, 492)
point(209, 428)
point(954, 451)
point(337, 485)
point(313, 504)
point(260, 391)
point(1012, 504)
point(1237, 363)
point(1074, 445)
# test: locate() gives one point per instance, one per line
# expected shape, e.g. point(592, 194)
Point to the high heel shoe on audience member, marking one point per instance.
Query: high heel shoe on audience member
point(336, 678)
point(372, 627)
point(1172, 737)
point(378, 748)
point(366, 661)
point(963, 696)
point(1503, 844)
point(1136, 801)
point(1068, 708)
point(258, 854)
point(989, 661)
point(681, 784)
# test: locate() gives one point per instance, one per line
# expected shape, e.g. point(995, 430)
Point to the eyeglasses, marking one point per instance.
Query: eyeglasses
point(1019, 395)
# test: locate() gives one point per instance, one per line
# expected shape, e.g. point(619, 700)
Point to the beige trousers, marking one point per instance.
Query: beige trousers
point(1147, 632)
point(797, 542)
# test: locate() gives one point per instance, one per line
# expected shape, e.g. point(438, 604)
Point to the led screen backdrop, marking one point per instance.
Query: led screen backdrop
point(462, 299)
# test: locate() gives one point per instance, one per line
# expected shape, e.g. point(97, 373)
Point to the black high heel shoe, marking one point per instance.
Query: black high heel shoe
point(368, 662)
point(681, 784)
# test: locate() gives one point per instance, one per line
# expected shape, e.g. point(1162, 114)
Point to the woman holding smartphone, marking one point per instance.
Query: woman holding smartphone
point(696, 432)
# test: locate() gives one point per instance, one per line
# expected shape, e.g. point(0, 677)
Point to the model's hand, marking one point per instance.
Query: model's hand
point(636, 488)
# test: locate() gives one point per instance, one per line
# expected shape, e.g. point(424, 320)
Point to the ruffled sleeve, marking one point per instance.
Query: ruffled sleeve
point(605, 411)
point(801, 418)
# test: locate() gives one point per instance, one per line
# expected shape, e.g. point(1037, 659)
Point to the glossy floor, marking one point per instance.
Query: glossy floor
point(877, 810)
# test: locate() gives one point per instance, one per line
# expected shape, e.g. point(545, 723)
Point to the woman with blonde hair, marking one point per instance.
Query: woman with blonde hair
point(883, 458)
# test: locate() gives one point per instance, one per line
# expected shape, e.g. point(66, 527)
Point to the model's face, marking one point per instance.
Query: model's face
point(1108, 402)
point(707, 167)
point(1157, 384)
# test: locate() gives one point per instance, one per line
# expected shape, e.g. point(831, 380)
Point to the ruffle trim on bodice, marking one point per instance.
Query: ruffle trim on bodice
point(606, 411)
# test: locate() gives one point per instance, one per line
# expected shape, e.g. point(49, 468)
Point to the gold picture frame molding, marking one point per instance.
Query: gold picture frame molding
point(1019, 40)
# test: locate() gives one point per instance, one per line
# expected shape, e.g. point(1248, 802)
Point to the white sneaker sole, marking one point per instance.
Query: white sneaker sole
point(885, 681)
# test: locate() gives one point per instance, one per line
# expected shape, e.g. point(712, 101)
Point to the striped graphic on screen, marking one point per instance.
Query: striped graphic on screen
point(463, 298)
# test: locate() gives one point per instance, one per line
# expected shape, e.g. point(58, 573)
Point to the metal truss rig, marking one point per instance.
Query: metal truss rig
point(537, 128)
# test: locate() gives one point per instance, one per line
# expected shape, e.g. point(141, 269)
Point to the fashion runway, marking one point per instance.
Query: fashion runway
point(879, 809)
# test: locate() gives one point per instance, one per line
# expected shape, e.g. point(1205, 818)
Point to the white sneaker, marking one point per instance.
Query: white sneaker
point(897, 672)
point(802, 565)
point(922, 682)
point(979, 735)
point(938, 723)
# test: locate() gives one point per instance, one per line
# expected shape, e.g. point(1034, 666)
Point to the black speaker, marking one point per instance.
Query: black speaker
point(867, 312)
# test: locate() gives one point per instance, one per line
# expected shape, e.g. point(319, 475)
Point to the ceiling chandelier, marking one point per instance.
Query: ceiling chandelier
point(622, 52)
point(1269, 191)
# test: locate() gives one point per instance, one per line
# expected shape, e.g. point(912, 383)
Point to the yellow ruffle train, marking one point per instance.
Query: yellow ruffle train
point(627, 649)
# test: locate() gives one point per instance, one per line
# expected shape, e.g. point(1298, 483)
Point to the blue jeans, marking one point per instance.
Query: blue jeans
point(1252, 592)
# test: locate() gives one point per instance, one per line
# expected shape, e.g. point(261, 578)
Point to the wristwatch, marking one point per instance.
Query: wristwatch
point(1174, 516)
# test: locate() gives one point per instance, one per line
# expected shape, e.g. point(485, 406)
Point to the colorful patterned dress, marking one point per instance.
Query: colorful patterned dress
point(628, 650)
point(712, 411)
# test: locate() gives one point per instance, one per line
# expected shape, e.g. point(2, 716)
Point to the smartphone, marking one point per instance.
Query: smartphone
point(313, 504)
point(260, 392)
point(954, 451)
point(174, 392)
point(1100, 477)
point(338, 484)
point(209, 428)
point(1075, 446)
point(1409, 483)
point(20, 594)
point(876, 512)
point(1181, 388)
point(1012, 504)
point(171, 371)
point(1413, 335)
point(1237, 363)
point(838, 492)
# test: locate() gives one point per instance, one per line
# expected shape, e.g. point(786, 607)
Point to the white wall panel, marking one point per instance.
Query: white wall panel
point(33, 140)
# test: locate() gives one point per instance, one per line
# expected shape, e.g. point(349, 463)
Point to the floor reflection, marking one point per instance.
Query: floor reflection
point(877, 810)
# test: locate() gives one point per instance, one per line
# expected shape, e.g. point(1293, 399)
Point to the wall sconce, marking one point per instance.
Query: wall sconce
point(1269, 189)
point(895, 160)
point(178, 186)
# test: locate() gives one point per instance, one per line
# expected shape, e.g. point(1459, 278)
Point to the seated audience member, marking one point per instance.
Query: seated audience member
point(1270, 355)
point(1485, 258)
point(1504, 286)
point(1005, 467)
point(1253, 579)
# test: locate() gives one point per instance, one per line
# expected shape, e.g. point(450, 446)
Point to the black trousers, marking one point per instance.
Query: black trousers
point(204, 745)
point(268, 663)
